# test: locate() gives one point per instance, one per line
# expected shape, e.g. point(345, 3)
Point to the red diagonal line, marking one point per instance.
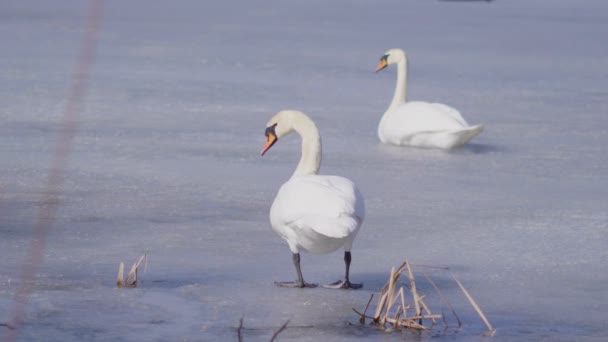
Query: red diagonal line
point(69, 124)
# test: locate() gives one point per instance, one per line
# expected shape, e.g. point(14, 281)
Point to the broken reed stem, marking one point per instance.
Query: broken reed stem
point(362, 315)
point(429, 316)
point(362, 319)
point(413, 288)
point(274, 336)
point(132, 276)
point(8, 326)
point(409, 323)
point(405, 308)
point(428, 311)
point(389, 293)
point(121, 275)
point(238, 330)
point(393, 300)
point(389, 296)
point(379, 307)
point(443, 299)
point(398, 273)
point(491, 330)
point(368, 302)
point(429, 266)
point(445, 321)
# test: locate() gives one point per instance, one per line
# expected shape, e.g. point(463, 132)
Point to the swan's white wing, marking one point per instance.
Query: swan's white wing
point(427, 117)
point(426, 125)
point(450, 112)
point(330, 205)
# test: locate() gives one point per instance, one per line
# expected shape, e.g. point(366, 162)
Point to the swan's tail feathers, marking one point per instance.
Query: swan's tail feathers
point(473, 131)
point(461, 137)
point(446, 139)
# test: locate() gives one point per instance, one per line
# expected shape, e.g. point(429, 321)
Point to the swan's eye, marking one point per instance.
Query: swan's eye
point(384, 58)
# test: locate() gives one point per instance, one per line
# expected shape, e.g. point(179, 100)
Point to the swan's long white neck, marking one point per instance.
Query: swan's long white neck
point(401, 89)
point(311, 146)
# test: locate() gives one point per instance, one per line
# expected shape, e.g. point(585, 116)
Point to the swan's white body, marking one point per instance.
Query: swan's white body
point(420, 124)
point(317, 214)
point(311, 212)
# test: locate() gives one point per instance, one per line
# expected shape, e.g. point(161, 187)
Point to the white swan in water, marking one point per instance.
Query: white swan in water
point(420, 124)
point(312, 212)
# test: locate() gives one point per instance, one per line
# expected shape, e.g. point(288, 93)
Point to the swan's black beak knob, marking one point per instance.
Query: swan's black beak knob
point(383, 63)
point(271, 139)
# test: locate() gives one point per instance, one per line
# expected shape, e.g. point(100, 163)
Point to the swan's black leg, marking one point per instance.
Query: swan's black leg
point(300, 282)
point(345, 284)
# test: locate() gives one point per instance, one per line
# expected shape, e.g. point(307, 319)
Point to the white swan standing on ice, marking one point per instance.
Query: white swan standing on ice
point(420, 124)
point(312, 212)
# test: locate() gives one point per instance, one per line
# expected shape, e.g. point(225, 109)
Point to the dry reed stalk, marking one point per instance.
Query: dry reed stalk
point(491, 330)
point(379, 307)
point(274, 336)
point(238, 330)
point(397, 274)
point(413, 289)
point(393, 300)
point(429, 316)
point(362, 319)
point(405, 308)
point(443, 299)
point(363, 316)
point(408, 323)
point(428, 311)
point(132, 277)
point(121, 275)
point(391, 295)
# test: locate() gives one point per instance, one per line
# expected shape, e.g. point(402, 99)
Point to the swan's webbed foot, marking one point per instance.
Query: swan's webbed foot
point(295, 284)
point(300, 283)
point(343, 284)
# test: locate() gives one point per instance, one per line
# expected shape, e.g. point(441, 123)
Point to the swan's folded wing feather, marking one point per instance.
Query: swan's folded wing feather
point(330, 205)
point(418, 116)
point(451, 112)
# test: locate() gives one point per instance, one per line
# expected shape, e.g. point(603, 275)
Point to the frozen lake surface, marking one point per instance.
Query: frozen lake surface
point(166, 162)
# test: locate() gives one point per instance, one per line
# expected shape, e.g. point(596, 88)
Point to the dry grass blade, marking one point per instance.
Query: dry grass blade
point(405, 308)
point(429, 316)
point(391, 305)
point(238, 330)
point(390, 292)
point(428, 312)
point(413, 289)
point(379, 306)
point(395, 297)
point(132, 277)
point(362, 319)
point(397, 274)
point(491, 330)
point(443, 299)
point(283, 327)
point(408, 323)
point(121, 275)
point(8, 326)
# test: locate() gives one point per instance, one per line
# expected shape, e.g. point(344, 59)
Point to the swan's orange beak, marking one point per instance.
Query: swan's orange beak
point(271, 139)
point(383, 64)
